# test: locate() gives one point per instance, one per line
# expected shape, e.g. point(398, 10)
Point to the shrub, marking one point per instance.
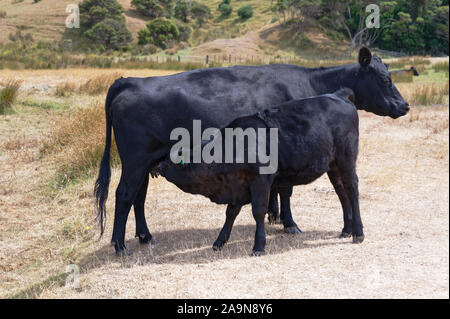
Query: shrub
point(2, 14)
point(8, 94)
point(245, 12)
point(159, 32)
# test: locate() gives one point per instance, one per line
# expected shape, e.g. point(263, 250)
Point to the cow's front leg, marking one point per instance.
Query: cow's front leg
point(232, 212)
point(260, 192)
point(289, 225)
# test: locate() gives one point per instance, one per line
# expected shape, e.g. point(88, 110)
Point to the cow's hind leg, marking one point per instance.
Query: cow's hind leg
point(335, 177)
point(129, 186)
point(232, 212)
point(289, 225)
point(142, 231)
point(260, 192)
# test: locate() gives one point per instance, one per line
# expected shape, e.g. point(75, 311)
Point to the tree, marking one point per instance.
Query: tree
point(201, 12)
point(150, 8)
point(109, 33)
point(225, 8)
point(159, 32)
point(102, 22)
point(94, 11)
point(182, 10)
point(245, 12)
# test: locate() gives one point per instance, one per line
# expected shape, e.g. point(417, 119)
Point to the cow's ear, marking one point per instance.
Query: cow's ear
point(365, 56)
point(387, 66)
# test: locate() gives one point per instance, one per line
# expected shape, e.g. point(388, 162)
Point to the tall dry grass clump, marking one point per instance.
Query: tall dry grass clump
point(99, 84)
point(441, 67)
point(66, 89)
point(429, 94)
point(404, 77)
point(8, 94)
point(78, 142)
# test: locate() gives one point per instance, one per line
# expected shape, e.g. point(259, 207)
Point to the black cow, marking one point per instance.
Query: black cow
point(315, 136)
point(412, 70)
point(143, 112)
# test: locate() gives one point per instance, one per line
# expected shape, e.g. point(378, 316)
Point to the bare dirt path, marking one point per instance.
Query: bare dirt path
point(404, 186)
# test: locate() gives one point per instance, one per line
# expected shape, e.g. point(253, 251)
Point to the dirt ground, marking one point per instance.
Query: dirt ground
point(403, 169)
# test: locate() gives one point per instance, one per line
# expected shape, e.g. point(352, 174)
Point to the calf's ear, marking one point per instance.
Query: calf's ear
point(365, 56)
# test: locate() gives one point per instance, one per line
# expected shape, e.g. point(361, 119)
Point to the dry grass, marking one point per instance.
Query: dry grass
point(8, 94)
point(429, 94)
point(77, 143)
point(403, 169)
point(99, 84)
point(65, 89)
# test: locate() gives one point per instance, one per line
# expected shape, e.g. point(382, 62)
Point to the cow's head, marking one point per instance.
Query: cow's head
point(374, 90)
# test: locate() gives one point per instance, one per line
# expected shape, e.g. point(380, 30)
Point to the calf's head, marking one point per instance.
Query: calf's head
point(374, 90)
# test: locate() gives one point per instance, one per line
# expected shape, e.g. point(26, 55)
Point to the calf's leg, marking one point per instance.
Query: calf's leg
point(335, 177)
point(260, 192)
point(142, 231)
point(290, 226)
point(232, 212)
point(350, 181)
point(273, 213)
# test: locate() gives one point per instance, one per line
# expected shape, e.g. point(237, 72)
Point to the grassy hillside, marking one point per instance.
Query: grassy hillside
point(258, 35)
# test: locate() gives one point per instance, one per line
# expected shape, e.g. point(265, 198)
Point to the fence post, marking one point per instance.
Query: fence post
point(230, 58)
point(179, 59)
point(207, 59)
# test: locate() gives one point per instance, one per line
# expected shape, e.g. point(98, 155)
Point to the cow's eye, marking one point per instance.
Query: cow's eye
point(388, 81)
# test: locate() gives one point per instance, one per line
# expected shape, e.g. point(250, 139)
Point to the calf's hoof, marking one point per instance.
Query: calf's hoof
point(144, 238)
point(272, 219)
point(122, 251)
point(345, 235)
point(358, 239)
point(294, 230)
point(258, 253)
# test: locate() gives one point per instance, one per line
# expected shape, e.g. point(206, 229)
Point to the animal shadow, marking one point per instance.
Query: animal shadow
point(194, 246)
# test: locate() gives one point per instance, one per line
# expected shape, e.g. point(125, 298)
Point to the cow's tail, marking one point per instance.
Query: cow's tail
point(104, 175)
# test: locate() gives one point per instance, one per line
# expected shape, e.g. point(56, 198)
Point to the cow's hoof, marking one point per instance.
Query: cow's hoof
point(358, 239)
point(258, 253)
point(144, 238)
point(345, 235)
point(294, 230)
point(217, 248)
